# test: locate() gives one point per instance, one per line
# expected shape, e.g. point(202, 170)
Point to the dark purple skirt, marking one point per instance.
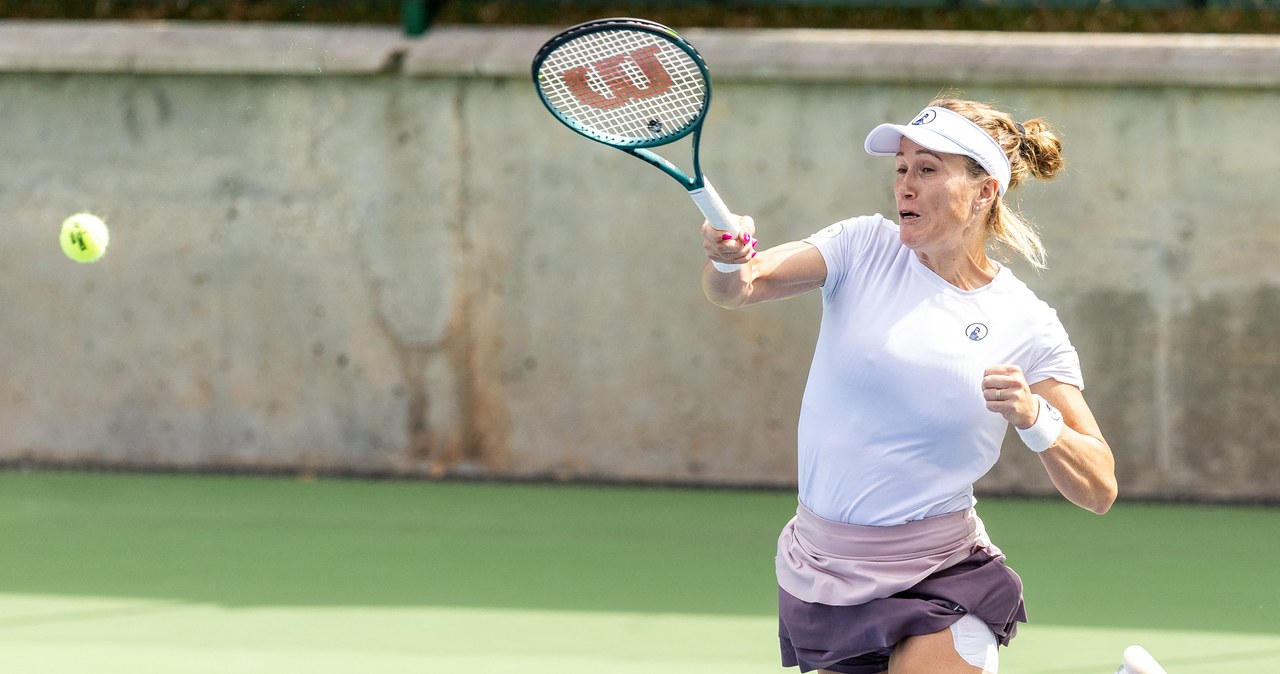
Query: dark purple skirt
point(858, 639)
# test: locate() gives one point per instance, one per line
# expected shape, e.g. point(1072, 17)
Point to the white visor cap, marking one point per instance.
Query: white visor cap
point(943, 130)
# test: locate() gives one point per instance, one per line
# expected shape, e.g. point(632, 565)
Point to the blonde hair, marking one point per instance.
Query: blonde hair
point(1034, 151)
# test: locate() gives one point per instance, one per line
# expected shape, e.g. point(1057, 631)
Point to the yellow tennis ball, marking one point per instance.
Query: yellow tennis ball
point(84, 237)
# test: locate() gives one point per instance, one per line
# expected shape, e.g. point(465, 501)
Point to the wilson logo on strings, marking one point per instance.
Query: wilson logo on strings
point(615, 77)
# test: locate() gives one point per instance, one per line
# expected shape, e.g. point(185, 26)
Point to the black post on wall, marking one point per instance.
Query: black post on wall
point(418, 14)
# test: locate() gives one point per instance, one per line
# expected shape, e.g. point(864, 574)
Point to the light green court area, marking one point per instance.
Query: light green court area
point(195, 574)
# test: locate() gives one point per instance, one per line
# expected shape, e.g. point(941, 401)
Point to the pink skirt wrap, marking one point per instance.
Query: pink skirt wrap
point(839, 564)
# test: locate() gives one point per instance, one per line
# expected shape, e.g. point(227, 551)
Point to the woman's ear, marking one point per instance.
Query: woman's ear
point(988, 192)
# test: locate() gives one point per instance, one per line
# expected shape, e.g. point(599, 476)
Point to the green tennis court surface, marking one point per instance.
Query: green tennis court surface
point(119, 573)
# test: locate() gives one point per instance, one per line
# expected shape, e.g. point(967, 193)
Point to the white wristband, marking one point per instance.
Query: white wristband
point(1045, 431)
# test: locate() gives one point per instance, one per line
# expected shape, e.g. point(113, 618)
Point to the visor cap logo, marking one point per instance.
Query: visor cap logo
point(924, 118)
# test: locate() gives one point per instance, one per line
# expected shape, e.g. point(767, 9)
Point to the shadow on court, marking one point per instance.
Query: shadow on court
point(249, 542)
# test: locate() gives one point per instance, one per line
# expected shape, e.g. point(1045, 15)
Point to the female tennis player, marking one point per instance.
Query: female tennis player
point(928, 349)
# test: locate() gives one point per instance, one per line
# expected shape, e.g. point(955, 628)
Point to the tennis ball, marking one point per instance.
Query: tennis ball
point(84, 237)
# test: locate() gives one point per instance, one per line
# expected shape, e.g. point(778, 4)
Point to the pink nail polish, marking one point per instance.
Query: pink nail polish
point(726, 237)
point(753, 255)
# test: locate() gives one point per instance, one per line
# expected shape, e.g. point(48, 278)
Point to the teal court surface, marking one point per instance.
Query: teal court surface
point(106, 573)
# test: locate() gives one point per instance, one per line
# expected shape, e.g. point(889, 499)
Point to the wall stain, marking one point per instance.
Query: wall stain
point(1228, 427)
point(475, 442)
point(145, 108)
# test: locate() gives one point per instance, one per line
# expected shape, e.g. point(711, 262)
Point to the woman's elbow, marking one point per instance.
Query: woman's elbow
point(729, 303)
point(1103, 498)
point(726, 299)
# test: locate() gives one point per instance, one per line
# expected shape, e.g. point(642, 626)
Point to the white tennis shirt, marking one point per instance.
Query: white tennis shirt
point(893, 426)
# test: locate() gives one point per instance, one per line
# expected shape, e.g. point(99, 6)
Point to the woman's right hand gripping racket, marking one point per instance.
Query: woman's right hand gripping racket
point(633, 84)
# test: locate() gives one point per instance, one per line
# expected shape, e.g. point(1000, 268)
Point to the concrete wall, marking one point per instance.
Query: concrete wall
point(343, 249)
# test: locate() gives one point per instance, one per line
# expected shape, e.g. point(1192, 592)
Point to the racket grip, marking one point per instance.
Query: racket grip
point(716, 213)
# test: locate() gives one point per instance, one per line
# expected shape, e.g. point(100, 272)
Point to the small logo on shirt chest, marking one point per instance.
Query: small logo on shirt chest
point(976, 331)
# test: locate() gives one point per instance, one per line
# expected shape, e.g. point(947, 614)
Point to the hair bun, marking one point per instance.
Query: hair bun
point(1040, 149)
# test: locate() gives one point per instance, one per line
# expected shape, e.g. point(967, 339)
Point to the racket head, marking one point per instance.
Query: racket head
point(629, 83)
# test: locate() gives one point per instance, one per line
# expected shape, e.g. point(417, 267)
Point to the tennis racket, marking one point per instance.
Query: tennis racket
point(633, 84)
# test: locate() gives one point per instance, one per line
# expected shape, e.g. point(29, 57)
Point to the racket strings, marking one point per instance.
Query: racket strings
point(631, 85)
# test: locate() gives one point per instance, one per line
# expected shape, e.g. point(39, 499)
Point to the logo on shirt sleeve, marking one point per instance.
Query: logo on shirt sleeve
point(832, 231)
